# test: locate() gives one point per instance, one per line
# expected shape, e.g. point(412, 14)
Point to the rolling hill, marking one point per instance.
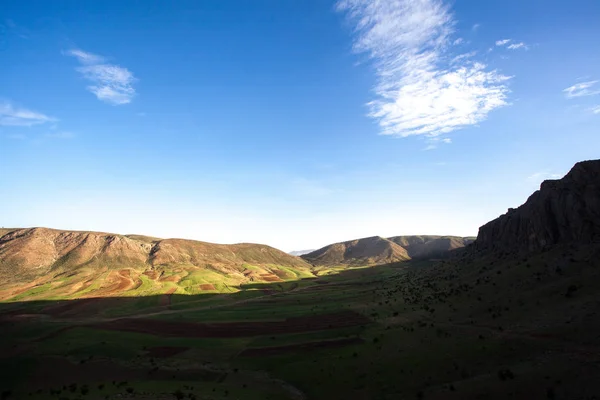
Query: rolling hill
point(72, 264)
point(378, 250)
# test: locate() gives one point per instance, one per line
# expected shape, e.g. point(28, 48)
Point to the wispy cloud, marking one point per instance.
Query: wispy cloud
point(11, 115)
point(85, 57)
point(511, 46)
point(517, 46)
point(476, 27)
point(112, 83)
point(433, 142)
point(419, 92)
point(581, 89)
point(595, 109)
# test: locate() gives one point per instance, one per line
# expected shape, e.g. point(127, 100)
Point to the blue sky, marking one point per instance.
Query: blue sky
point(291, 123)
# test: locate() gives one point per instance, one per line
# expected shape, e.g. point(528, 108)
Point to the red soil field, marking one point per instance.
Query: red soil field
point(235, 329)
point(300, 347)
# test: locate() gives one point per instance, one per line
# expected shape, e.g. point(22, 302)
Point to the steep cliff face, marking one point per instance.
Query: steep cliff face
point(562, 211)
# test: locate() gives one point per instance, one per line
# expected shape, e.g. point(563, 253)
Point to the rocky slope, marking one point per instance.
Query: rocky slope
point(379, 250)
point(561, 211)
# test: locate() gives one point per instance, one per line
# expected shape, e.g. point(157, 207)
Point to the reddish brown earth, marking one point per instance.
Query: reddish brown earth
point(207, 286)
point(173, 278)
point(80, 307)
point(300, 347)
point(165, 299)
point(235, 329)
point(270, 278)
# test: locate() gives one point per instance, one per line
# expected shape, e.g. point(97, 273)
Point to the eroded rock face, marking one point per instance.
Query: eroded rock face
point(562, 211)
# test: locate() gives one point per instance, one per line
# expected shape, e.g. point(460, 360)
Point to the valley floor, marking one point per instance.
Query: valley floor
point(492, 327)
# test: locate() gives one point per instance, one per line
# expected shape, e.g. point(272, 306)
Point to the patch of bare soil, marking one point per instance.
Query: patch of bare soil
point(300, 347)
point(154, 275)
point(165, 299)
point(67, 307)
point(270, 278)
point(207, 286)
point(172, 278)
point(236, 329)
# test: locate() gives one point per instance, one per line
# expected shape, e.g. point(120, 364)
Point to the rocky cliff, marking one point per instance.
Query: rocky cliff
point(561, 211)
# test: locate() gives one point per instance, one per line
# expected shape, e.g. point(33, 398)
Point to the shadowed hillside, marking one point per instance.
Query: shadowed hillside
point(566, 210)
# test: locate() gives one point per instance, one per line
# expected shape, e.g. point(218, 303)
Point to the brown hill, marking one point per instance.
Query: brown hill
point(562, 211)
point(366, 251)
point(378, 250)
point(42, 255)
point(430, 246)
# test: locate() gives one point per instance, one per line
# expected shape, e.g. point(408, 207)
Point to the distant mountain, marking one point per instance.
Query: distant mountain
point(379, 250)
point(300, 252)
point(562, 211)
point(70, 263)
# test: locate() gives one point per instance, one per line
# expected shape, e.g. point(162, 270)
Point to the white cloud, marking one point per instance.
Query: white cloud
point(11, 115)
point(516, 46)
point(111, 83)
point(595, 109)
point(476, 27)
point(581, 89)
point(409, 42)
point(502, 42)
point(85, 57)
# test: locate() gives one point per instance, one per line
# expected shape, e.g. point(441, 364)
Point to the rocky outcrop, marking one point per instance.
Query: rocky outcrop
point(561, 211)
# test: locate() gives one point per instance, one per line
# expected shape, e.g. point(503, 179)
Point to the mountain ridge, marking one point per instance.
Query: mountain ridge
point(379, 250)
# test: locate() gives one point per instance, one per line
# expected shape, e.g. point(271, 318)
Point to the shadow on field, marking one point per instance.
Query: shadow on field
point(157, 314)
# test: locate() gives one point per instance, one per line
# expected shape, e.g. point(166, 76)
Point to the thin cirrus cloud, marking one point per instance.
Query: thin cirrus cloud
point(511, 46)
point(111, 83)
point(11, 115)
point(418, 91)
point(582, 89)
